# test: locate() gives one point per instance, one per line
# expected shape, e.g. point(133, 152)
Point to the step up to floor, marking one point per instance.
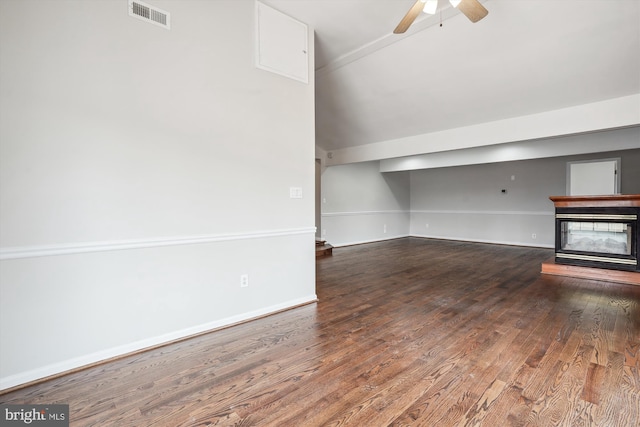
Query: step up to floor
point(323, 248)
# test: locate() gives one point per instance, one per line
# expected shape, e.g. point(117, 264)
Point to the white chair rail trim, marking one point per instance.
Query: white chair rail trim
point(78, 248)
point(355, 213)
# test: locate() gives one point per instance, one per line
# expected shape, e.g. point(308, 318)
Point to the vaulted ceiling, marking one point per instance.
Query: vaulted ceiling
point(525, 57)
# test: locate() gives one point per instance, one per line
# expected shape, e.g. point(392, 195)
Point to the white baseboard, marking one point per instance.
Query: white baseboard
point(494, 242)
point(123, 350)
point(360, 242)
point(459, 239)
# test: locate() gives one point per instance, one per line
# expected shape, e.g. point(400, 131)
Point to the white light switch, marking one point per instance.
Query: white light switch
point(295, 192)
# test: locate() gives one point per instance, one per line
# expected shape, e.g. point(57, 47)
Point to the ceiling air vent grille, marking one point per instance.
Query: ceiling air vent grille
point(149, 13)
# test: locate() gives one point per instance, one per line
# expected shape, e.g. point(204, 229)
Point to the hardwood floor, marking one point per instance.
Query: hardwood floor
point(407, 332)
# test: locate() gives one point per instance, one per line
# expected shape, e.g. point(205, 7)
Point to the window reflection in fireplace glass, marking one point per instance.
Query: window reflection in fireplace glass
point(603, 237)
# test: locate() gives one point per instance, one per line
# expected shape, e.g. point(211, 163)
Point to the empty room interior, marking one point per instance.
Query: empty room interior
point(320, 212)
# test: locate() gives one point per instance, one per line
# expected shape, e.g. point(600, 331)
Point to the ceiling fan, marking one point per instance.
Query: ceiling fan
point(472, 9)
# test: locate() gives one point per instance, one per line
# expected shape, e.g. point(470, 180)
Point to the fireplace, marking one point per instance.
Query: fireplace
point(598, 231)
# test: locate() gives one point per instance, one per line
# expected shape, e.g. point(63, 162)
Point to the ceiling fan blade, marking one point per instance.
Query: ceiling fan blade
point(409, 17)
point(473, 10)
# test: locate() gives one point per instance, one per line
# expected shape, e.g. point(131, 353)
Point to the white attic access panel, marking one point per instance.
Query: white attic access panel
point(281, 44)
point(593, 177)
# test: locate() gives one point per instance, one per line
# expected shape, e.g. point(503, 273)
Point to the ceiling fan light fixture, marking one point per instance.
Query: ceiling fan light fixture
point(472, 9)
point(430, 7)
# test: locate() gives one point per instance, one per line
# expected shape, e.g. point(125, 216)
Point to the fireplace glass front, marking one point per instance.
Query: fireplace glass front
point(600, 237)
point(597, 238)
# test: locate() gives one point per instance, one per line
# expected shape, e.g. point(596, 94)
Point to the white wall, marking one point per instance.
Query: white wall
point(595, 117)
point(360, 204)
point(594, 142)
point(144, 170)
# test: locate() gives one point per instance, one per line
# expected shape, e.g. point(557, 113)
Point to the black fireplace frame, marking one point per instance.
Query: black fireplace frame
point(620, 214)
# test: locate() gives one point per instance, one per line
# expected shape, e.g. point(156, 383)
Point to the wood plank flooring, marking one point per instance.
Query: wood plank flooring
point(406, 332)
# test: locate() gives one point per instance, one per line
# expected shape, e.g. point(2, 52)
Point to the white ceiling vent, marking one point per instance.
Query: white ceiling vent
point(149, 13)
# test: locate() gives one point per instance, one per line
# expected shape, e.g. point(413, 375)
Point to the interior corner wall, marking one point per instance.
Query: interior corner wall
point(360, 204)
point(143, 171)
point(468, 203)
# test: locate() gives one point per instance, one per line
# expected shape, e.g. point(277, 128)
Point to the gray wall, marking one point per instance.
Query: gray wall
point(143, 171)
point(360, 204)
point(467, 202)
point(461, 202)
point(630, 174)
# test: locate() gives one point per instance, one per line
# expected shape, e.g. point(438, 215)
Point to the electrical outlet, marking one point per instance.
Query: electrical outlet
point(384, 228)
point(534, 236)
point(244, 280)
point(427, 225)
